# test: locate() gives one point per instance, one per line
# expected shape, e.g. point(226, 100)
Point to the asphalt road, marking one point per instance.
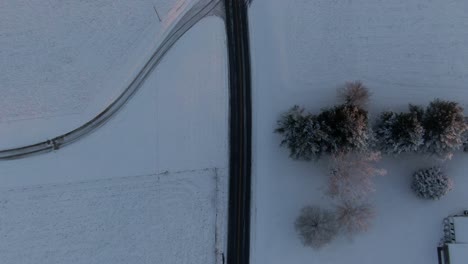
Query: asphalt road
point(238, 250)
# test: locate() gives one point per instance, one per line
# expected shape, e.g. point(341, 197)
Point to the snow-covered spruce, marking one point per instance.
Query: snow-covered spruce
point(431, 183)
point(316, 227)
point(301, 134)
point(400, 132)
point(336, 130)
point(355, 219)
point(445, 128)
point(346, 127)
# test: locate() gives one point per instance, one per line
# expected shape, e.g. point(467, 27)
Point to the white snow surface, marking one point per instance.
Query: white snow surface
point(139, 219)
point(302, 51)
point(63, 62)
point(147, 187)
point(56, 51)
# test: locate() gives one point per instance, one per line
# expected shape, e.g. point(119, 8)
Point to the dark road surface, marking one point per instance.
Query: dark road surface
point(240, 132)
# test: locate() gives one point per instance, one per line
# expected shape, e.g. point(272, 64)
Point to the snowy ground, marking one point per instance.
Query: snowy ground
point(147, 187)
point(302, 51)
point(139, 219)
point(63, 61)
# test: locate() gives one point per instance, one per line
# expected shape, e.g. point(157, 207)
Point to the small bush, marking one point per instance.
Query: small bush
point(431, 183)
point(301, 134)
point(355, 93)
point(346, 127)
point(400, 132)
point(445, 127)
point(316, 227)
point(355, 218)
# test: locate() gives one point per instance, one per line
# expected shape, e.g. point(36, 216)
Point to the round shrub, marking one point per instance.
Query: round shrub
point(301, 134)
point(316, 227)
point(445, 127)
point(399, 132)
point(431, 183)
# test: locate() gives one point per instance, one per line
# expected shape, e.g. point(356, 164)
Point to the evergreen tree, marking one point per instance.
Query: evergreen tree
point(445, 127)
point(400, 132)
point(301, 134)
point(346, 127)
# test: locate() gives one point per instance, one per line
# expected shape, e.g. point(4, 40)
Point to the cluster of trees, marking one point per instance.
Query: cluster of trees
point(344, 135)
point(317, 226)
point(338, 130)
point(439, 130)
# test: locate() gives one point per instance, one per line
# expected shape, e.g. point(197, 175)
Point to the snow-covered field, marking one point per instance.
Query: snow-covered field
point(302, 50)
point(62, 62)
point(147, 187)
point(138, 219)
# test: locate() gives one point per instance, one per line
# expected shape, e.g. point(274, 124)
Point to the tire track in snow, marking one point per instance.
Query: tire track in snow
point(198, 11)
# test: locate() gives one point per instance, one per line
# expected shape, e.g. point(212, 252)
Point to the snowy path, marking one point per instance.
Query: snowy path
point(176, 122)
point(178, 24)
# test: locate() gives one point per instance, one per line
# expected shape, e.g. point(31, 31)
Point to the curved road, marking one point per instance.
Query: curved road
point(201, 9)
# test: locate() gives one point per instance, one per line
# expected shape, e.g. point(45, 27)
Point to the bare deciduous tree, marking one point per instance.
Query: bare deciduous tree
point(316, 227)
point(355, 218)
point(355, 93)
point(351, 176)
